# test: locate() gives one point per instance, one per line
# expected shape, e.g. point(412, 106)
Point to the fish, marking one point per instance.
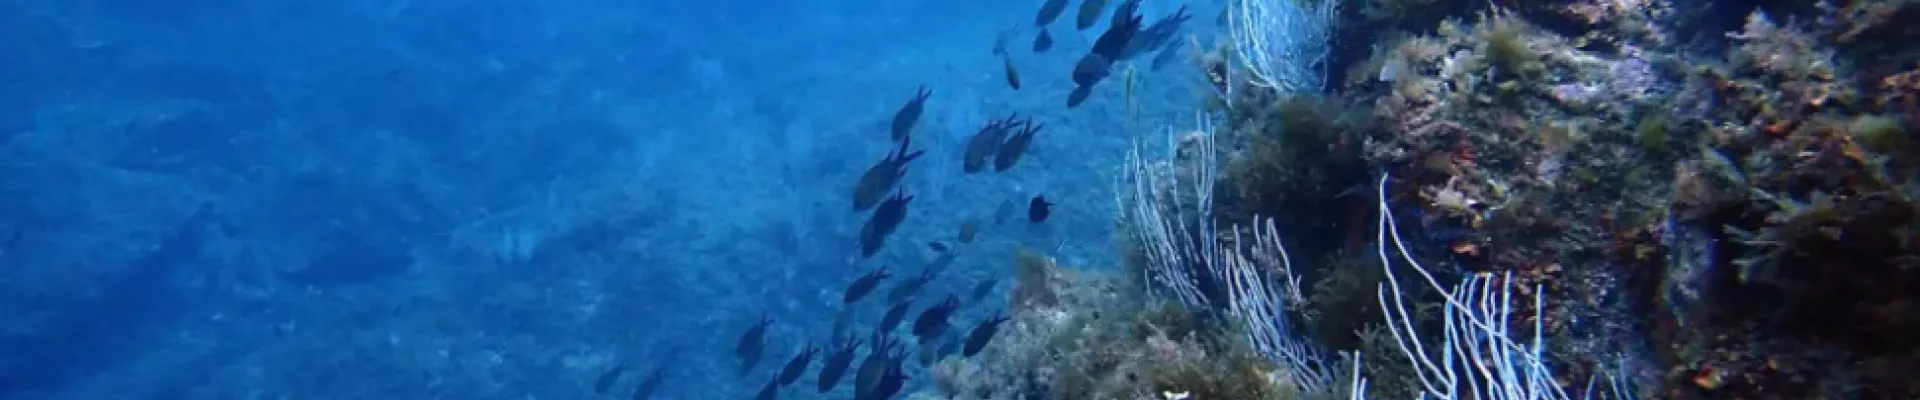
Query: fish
point(1038, 209)
point(1091, 69)
point(864, 285)
point(1048, 12)
point(796, 366)
point(882, 177)
point(874, 368)
point(1167, 55)
point(1155, 36)
point(1089, 13)
point(893, 317)
point(905, 289)
point(1015, 146)
point(986, 141)
point(749, 360)
point(752, 343)
point(909, 114)
point(941, 263)
point(1127, 9)
point(1005, 210)
point(835, 365)
point(982, 289)
point(933, 320)
point(886, 219)
point(1078, 96)
point(890, 382)
point(938, 246)
point(969, 231)
point(842, 320)
point(1000, 42)
point(951, 345)
point(1013, 76)
point(755, 336)
point(1112, 44)
point(770, 392)
point(607, 379)
point(935, 349)
point(1097, 64)
point(651, 383)
point(1042, 41)
point(982, 334)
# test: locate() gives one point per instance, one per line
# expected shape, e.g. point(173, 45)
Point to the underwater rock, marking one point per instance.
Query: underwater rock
point(1689, 268)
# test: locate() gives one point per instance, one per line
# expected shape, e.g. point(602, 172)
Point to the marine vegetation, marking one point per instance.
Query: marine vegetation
point(1596, 199)
point(1084, 335)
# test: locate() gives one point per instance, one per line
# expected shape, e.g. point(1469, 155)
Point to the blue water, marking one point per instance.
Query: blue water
point(494, 199)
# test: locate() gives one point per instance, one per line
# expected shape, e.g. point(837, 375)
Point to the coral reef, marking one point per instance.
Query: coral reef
point(1812, 289)
point(1670, 223)
point(1094, 338)
point(1731, 224)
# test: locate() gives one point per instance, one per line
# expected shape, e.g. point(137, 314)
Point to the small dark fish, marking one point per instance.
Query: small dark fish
point(1013, 76)
point(909, 114)
point(930, 352)
point(934, 320)
point(893, 317)
point(938, 246)
point(1015, 146)
point(752, 344)
point(771, 392)
point(843, 320)
point(750, 360)
point(1038, 209)
point(1089, 13)
point(885, 220)
point(864, 285)
point(1006, 210)
point(754, 337)
point(1091, 68)
point(986, 141)
point(1156, 36)
point(1127, 9)
point(874, 368)
point(905, 289)
point(951, 345)
point(1079, 95)
point(651, 383)
point(607, 379)
point(1112, 44)
point(1049, 11)
point(1000, 42)
point(983, 333)
point(940, 264)
point(889, 383)
point(1042, 41)
point(836, 363)
point(797, 365)
point(982, 289)
point(968, 232)
point(1167, 55)
point(881, 178)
